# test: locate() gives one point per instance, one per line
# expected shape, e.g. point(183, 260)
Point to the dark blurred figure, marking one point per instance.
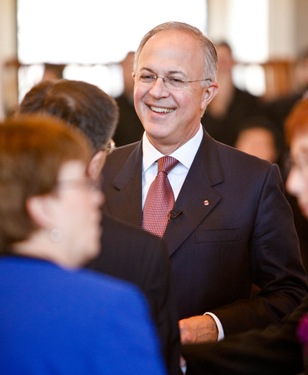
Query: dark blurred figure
point(126, 252)
point(53, 71)
point(277, 350)
point(129, 127)
point(277, 111)
point(258, 137)
point(56, 318)
point(231, 106)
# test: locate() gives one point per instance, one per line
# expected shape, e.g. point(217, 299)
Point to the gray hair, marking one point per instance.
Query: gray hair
point(209, 50)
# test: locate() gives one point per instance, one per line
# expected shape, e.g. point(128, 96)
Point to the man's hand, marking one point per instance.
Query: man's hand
point(198, 329)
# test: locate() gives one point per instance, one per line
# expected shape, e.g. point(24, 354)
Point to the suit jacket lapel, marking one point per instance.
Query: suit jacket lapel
point(196, 200)
point(198, 196)
point(127, 206)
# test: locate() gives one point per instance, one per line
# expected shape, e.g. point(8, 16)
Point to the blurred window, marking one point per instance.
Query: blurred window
point(91, 36)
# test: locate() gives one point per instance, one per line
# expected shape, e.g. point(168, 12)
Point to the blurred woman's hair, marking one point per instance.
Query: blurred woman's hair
point(32, 150)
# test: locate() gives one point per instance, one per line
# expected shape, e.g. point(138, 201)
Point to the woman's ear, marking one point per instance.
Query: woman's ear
point(40, 210)
point(96, 165)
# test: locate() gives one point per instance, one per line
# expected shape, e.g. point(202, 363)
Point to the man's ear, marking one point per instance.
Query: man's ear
point(209, 94)
point(96, 165)
point(40, 209)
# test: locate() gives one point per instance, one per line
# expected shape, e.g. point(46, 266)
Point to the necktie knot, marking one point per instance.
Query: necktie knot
point(166, 163)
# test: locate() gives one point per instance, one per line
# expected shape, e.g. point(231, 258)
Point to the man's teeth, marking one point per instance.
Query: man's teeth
point(161, 110)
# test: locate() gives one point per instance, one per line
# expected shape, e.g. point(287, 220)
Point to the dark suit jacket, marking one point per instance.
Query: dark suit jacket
point(134, 255)
point(273, 351)
point(235, 229)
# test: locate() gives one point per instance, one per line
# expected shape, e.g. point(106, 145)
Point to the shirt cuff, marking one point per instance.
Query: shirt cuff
point(221, 334)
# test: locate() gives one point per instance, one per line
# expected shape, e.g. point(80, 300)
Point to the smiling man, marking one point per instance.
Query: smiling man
point(230, 231)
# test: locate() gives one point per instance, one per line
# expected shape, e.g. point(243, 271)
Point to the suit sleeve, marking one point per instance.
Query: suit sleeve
point(275, 268)
point(273, 351)
point(161, 284)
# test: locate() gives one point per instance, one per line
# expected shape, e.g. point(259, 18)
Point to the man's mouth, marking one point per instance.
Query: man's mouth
point(161, 110)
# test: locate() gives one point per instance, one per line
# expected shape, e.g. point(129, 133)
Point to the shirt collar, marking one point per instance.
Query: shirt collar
point(184, 154)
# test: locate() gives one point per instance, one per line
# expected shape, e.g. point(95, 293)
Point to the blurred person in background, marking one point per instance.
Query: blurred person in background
point(231, 106)
point(54, 317)
point(278, 109)
point(126, 252)
point(53, 71)
point(258, 137)
point(129, 127)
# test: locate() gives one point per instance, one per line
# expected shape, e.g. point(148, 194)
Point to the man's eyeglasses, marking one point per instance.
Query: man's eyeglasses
point(170, 82)
point(110, 146)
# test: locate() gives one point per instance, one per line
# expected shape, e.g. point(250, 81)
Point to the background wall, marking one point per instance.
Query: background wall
point(279, 31)
point(7, 50)
point(285, 23)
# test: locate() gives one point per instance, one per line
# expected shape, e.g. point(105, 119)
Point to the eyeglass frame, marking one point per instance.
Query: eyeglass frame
point(166, 80)
point(110, 146)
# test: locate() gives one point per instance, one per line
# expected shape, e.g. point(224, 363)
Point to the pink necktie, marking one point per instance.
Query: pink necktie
point(160, 199)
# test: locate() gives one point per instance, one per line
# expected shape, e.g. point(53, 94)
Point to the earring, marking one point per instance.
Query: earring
point(55, 235)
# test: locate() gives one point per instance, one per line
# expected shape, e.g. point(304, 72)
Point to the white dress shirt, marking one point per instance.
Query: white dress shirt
point(184, 154)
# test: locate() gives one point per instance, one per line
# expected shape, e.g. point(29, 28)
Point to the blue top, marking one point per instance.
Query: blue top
point(59, 321)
